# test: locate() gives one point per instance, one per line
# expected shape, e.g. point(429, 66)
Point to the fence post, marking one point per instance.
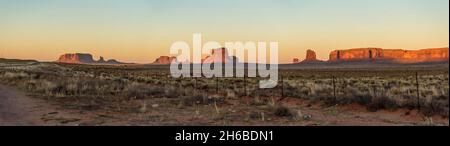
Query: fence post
point(418, 92)
point(334, 89)
point(195, 83)
point(282, 86)
point(245, 85)
point(217, 85)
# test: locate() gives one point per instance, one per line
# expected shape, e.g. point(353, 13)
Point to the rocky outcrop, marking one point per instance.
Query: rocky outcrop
point(77, 58)
point(113, 61)
point(101, 60)
point(390, 55)
point(295, 60)
point(220, 55)
point(164, 60)
point(217, 55)
point(83, 58)
point(310, 57)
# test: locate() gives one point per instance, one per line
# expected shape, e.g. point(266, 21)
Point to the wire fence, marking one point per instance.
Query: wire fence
point(415, 87)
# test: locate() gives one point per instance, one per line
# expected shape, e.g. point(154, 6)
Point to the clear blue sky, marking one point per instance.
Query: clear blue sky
point(141, 30)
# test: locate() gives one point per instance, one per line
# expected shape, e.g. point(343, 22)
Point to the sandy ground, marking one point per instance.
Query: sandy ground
point(16, 109)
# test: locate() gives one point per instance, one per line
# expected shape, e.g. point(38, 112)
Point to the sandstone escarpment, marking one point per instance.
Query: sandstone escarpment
point(164, 60)
point(77, 58)
point(83, 58)
point(391, 55)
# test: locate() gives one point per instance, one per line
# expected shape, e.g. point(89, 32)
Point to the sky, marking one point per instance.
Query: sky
point(141, 30)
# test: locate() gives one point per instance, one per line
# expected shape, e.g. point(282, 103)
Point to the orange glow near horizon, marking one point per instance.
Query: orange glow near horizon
point(140, 32)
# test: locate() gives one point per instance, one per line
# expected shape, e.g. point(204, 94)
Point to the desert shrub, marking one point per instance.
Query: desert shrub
point(297, 92)
point(255, 115)
point(43, 86)
point(135, 90)
point(354, 95)
point(140, 91)
point(201, 99)
point(438, 105)
point(282, 111)
point(408, 102)
point(15, 75)
point(382, 102)
point(173, 92)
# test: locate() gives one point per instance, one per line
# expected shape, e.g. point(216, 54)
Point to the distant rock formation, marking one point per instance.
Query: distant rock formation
point(8, 62)
point(83, 58)
point(76, 58)
point(114, 61)
point(101, 60)
point(390, 55)
point(220, 55)
point(217, 55)
point(295, 60)
point(164, 60)
point(311, 57)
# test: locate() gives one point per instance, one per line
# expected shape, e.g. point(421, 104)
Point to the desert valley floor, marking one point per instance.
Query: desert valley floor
point(34, 93)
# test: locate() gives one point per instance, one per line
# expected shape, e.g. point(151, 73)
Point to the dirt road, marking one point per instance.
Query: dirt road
point(16, 109)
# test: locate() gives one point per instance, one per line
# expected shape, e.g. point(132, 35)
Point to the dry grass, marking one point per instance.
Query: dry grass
point(100, 86)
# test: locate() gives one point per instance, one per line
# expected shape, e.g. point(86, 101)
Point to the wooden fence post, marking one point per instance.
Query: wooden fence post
point(282, 86)
point(217, 85)
point(334, 89)
point(282, 89)
point(245, 85)
point(195, 83)
point(418, 92)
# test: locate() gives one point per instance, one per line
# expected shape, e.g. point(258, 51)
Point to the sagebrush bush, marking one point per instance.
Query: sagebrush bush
point(282, 111)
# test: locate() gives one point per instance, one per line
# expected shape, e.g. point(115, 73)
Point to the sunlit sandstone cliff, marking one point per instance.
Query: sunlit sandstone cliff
point(220, 55)
point(391, 55)
point(76, 58)
point(311, 57)
point(164, 60)
point(82, 58)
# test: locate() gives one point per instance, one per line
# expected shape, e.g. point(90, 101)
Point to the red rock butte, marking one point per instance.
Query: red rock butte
point(391, 55)
point(84, 58)
point(311, 57)
point(76, 58)
point(295, 60)
point(219, 55)
point(164, 60)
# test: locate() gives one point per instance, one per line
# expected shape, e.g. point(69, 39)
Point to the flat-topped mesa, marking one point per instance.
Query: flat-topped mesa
point(84, 58)
point(220, 55)
point(164, 60)
point(390, 55)
point(77, 58)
